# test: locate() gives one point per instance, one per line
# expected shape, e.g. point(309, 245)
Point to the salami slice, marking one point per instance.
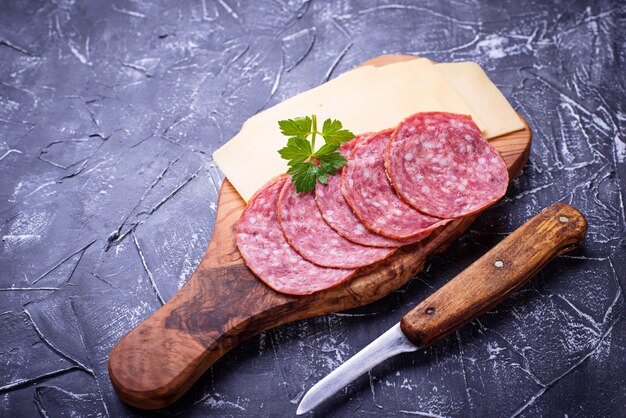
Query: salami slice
point(314, 239)
point(338, 214)
point(266, 252)
point(369, 193)
point(441, 164)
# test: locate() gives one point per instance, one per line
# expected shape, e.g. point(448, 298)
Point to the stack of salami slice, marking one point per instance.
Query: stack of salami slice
point(398, 186)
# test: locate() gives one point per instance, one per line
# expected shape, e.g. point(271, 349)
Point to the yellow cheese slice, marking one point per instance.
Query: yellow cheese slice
point(489, 106)
point(366, 99)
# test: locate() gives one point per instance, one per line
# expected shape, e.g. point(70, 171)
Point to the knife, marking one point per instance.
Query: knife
point(483, 285)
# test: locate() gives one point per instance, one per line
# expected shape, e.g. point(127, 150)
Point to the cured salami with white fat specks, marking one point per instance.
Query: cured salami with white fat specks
point(338, 214)
point(369, 193)
point(441, 164)
point(268, 254)
point(314, 239)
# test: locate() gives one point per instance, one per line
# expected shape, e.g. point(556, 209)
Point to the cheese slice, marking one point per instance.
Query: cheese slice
point(490, 107)
point(366, 99)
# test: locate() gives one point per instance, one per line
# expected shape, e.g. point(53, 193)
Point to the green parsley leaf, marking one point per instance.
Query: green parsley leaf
point(296, 127)
point(322, 177)
point(297, 150)
point(331, 162)
point(307, 166)
point(326, 149)
point(333, 133)
point(303, 175)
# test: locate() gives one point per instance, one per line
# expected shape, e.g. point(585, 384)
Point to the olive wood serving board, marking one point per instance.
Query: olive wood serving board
point(223, 303)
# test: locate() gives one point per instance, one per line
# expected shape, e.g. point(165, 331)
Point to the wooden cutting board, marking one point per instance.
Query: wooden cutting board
point(223, 303)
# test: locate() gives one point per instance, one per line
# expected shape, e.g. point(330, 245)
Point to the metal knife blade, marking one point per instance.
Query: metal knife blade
point(389, 344)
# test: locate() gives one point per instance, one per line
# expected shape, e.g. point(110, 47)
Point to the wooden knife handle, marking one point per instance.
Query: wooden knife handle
point(493, 277)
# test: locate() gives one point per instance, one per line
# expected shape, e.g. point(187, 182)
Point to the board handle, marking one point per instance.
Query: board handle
point(505, 268)
point(157, 362)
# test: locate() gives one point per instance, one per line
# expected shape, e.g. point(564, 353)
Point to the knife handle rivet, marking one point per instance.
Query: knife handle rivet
point(430, 311)
point(499, 263)
point(563, 219)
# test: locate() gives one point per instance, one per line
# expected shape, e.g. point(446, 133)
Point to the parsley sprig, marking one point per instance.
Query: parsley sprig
point(306, 166)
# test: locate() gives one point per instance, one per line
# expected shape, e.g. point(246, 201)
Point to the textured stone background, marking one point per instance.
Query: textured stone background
point(109, 114)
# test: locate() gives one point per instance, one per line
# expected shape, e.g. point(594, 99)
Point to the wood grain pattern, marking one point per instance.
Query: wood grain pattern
point(223, 303)
point(501, 271)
